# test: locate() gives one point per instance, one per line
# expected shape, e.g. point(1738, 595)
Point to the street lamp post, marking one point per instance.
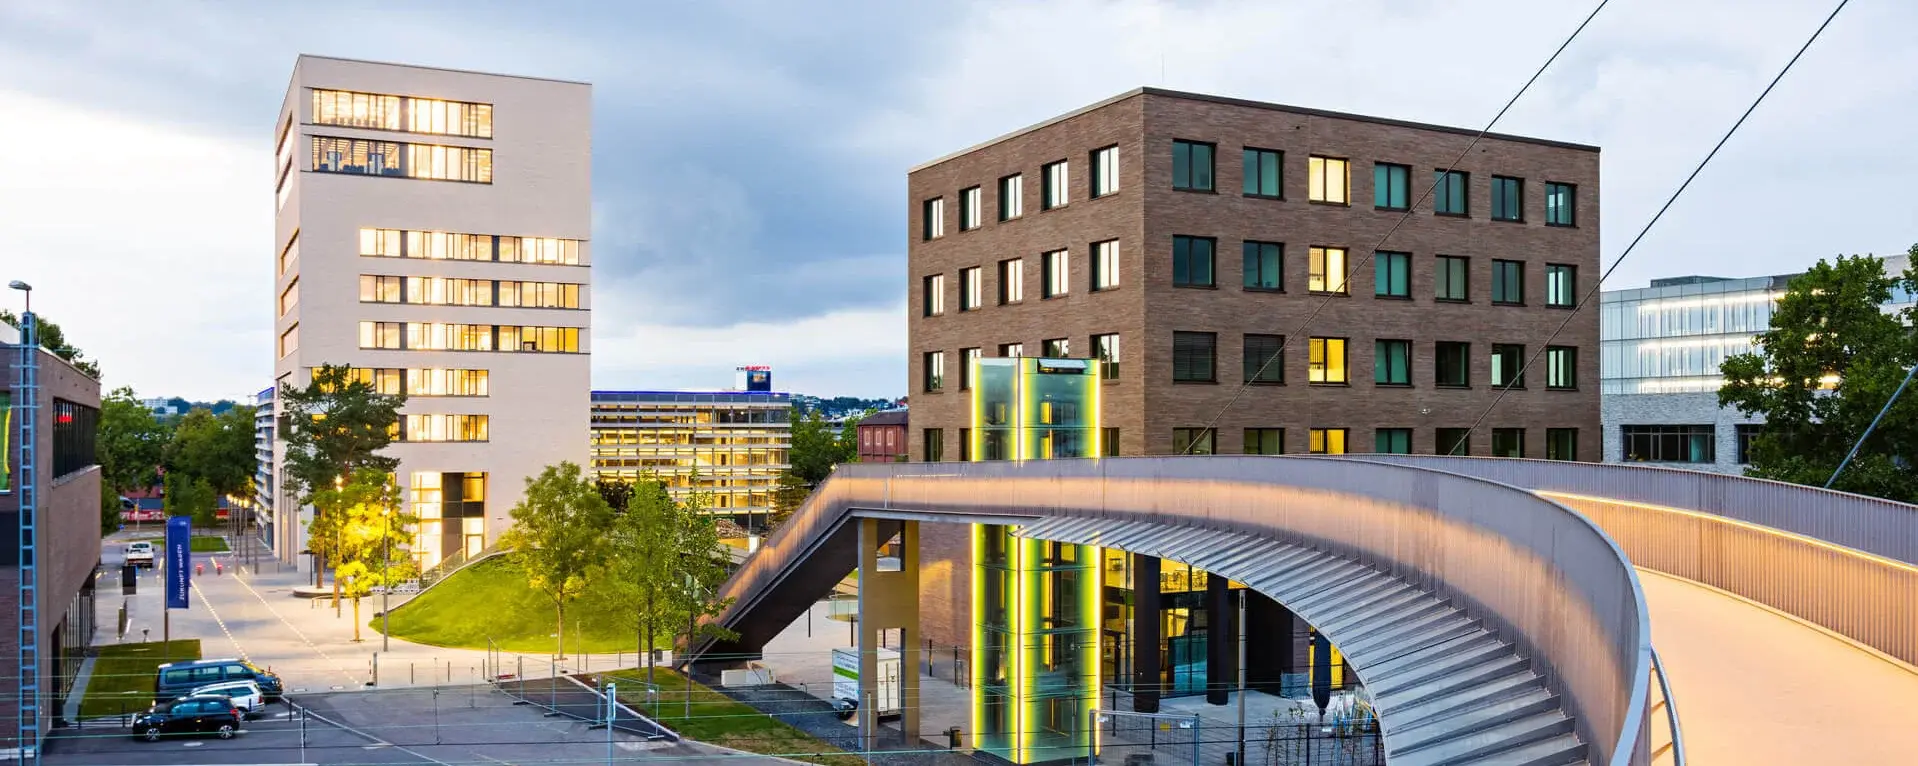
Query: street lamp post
point(386, 563)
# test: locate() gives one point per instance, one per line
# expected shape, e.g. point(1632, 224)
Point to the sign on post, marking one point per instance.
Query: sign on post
point(179, 560)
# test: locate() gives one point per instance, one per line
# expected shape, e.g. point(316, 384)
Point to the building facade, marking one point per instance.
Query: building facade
point(66, 485)
point(1216, 256)
point(882, 437)
point(266, 476)
point(728, 447)
point(432, 233)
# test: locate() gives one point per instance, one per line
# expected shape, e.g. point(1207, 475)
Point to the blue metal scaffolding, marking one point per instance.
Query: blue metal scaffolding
point(27, 401)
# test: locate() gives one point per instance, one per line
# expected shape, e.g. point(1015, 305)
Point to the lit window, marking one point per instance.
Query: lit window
point(1192, 166)
point(1325, 270)
point(935, 218)
point(380, 334)
point(1327, 363)
point(935, 370)
point(290, 255)
point(1055, 184)
point(1450, 196)
point(290, 339)
point(1056, 274)
point(1106, 348)
point(969, 212)
point(934, 299)
point(1327, 441)
point(1105, 171)
point(1105, 265)
point(1391, 186)
point(378, 289)
point(290, 297)
point(1508, 198)
point(398, 160)
point(1012, 281)
point(1012, 202)
point(972, 289)
point(445, 428)
point(415, 115)
point(1192, 261)
point(1262, 173)
point(1329, 178)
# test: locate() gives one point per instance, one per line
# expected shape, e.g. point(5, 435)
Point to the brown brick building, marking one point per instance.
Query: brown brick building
point(1203, 239)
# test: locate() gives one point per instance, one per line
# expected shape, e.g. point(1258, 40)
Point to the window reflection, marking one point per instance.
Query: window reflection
point(416, 115)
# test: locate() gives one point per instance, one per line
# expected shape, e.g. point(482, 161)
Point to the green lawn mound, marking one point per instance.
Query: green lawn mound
point(122, 680)
point(491, 599)
point(721, 720)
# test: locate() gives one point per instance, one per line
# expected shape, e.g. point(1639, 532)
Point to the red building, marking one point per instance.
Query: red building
point(882, 437)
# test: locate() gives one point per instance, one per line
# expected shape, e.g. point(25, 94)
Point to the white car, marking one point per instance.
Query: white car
point(140, 554)
point(246, 695)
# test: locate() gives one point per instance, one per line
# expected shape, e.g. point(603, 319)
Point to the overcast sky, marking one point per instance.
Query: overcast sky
point(750, 157)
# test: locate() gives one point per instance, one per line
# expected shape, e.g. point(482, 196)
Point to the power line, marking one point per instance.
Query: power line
point(1326, 300)
point(1596, 286)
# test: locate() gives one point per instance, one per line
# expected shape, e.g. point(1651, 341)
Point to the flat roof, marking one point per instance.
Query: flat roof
point(671, 396)
point(442, 69)
point(1310, 112)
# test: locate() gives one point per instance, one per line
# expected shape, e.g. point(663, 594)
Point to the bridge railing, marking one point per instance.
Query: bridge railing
point(1844, 562)
point(1545, 578)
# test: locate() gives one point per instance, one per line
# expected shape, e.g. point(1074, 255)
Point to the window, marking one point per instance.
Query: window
point(1262, 173)
point(1560, 283)
point(1452, 278)
point(970, 215)
point(1449, 197)
point(1392, 441)
point(1265, 441)
point(934, 214)
point(1012, 197)
point(1108, 442)
point(935, 295)
point(1192, 261)
point(1508, 365)
point(413, 115)
point(1327, 363)
point(1561, 367)
point(380, 334)
point(283, 159)
point(967, 357)
point(935, 370)
point(1391, 186)
point(1508, 283)
point(290, 255)
point(1264, 265)
point(1561, 444)
point(290, 339)
point(1054, 193)
point(1105, 171)
point(1056, 273)
point(1508, 202)
point(1106, 348)
point(440, 245)
point(1454, 441)
point(1670, 443)
point(1325, 270)
point(935, 444)
point(1560, 205)
point(1392, 362)
point(1264, 362)
point(1451, 364)
point(438, 382)
point(1326, 441)
point(531, 295)
point(444, 428)
point(1012, 281)
point(1192, 166)
point(1508, 442)
point(1056, 348)
point(290, 297)
point(965, 446)
point(1193, 354)
point(1392, 275)
point(1012, 350)
point(76, 429)
point(398, 160)
point(1747, 433)
point(1328, 178)
point(1194, 441)
point(972, 289)
point(545, 340)
point(1105, 265)
point(376, 289)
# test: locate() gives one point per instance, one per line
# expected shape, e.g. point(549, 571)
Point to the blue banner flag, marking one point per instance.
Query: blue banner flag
point(179, 560)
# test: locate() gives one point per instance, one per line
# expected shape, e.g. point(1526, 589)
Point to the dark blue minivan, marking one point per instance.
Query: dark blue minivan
point(177, 678)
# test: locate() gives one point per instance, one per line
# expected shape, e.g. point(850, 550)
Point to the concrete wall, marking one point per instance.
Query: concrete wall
point(1620, 410)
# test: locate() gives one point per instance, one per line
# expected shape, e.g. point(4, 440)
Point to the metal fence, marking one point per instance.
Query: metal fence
point(1148, 739)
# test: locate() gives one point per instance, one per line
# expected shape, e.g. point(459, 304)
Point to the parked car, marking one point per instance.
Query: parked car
point(140, 553)
point(189, 715)
point(246, 695)
point(177, 678)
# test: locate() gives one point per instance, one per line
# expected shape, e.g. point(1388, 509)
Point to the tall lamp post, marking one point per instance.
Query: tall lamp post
point(27, 723)
point(386, 584)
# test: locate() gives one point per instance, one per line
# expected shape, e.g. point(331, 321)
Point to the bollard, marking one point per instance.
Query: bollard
point(449, 671)
point(412, 679)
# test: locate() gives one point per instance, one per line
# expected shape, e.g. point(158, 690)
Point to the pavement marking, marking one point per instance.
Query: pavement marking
point(296, 630)
point(222, 623)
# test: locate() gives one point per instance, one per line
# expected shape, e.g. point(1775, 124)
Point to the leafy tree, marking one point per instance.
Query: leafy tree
point(217, 448)
point(663, 568)
point(332, 427)
point(790, 493)
point(129, 443)
point(370, 536)
point(817, 447)
point(617, 494)
point(1830, 361)
point(52, 338)
point(191, 496)
point(559, 538)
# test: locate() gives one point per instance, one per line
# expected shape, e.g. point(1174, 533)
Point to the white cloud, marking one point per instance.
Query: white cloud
point(856, 352)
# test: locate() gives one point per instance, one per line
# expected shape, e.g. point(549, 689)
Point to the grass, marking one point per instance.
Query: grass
point(720, 720)
point(491, 599)
point(196, 543)
point(122, 679)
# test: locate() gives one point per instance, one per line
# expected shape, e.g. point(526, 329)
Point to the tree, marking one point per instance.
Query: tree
point(1830, 361)
point(217, 448)
point(664, 567)
point(617, 494)
point(816, 447)
point(52, 338)
point(370, 536)
point(335, 425)
point(191, 496)
point(129, 444)
point(558, 537)
point(788, 494)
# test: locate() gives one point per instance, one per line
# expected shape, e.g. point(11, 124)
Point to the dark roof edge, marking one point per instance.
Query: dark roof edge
point(443, 69)
point(1253, 105)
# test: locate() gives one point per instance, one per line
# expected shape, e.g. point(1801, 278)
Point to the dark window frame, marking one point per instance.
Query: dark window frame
point(1325, 438)
point(1381, 355)
point(1094, 174)
point(1513, 356)
point(1445, 189)
point(1508, 282)
point(1380, 437)
point(1109, 366)
point(1254, 441)
point(1184, 439)
point(1657, 440)
point(1384, 171)
point(1385, 265)
point(1452, 441)
point(1552, 272)
point(1561, 368)
point(1200, 348)
point(927, 219)
point(933, 444)
point(1253, 160)
point(1211, 180)
point(1561, 444)
point(1345, 360)
point(1272, 350)
point(1565, 215)
point(1504, 187)
point(1047, 186)
point(1745, 436)
point(1462, 350)
point(1211, 261)
point(1505, 434)
point(931, 382)
point(1444, 273)
point(1248, 257)
point(1006, 210)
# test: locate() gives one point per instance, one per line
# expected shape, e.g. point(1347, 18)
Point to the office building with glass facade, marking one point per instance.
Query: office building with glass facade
point(727, 447)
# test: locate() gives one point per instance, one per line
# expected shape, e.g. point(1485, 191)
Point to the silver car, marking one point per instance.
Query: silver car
point(246, 695)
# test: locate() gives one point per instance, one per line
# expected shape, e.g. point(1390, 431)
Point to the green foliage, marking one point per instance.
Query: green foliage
point(122, 680)
point(817, 447)
point(788, 494)
point(334, 425)
point(191, 496)
point(52, 338)
point(1828, 327)
point(664, 566)
point(130, 443)
point(369, 535)
point(216, 448)
point(617, 494)
point(490, 601)
point(559, 536)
